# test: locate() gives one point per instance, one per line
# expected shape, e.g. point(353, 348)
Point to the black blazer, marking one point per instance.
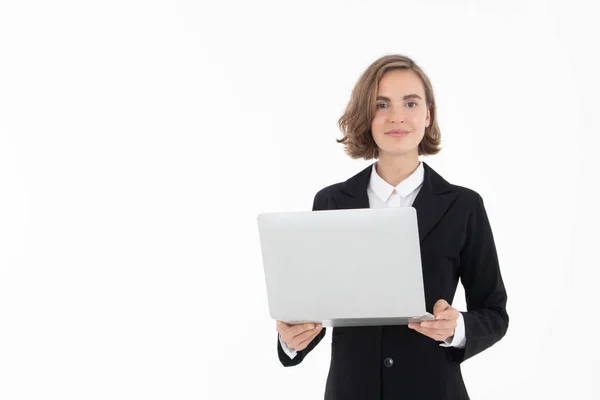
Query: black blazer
point(456, 242)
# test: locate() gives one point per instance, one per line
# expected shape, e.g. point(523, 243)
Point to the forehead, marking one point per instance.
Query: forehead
point(400, 82)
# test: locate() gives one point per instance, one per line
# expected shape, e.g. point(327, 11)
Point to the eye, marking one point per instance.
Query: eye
point(412, 102)
point(378, 106)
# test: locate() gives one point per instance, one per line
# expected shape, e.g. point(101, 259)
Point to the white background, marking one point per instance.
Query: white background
point(140, 139)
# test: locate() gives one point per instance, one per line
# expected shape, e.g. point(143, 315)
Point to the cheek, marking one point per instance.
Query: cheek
point(377, 123)
point(416, 119)
point(418, 123)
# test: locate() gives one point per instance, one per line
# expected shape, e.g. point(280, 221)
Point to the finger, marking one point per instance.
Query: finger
point(440, 324)
point(304, 344)
point(443, 333)
point(440, 306)
point(422, 331)
point(293, 330)
point(448, 314)
point(280, 325)
point(435, 334)
point(432, 331)
point(300, 328)
point(297, 340)
point(312, 337)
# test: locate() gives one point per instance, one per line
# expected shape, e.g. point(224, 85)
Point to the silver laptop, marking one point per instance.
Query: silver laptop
point(356, 267)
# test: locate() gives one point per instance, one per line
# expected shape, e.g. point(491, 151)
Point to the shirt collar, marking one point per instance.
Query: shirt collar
point(384, 190)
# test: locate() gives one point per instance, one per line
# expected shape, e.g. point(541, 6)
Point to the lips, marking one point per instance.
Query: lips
point(397, 132)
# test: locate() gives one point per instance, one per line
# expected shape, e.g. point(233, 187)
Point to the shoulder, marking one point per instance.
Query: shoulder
point(356, 183)
point(328, 191)
point(469, 202)
point(466, 193)
point(322, 197)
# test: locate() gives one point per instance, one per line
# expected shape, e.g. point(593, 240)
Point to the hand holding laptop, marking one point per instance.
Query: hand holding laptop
point(444, 325)
point(298, 337)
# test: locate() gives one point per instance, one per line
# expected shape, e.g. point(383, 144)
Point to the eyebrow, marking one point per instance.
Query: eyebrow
point(408, 96)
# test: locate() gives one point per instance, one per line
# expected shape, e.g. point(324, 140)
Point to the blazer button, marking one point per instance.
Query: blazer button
point(388, 362)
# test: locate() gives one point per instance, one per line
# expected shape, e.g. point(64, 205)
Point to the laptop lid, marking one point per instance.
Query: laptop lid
point(343, 267)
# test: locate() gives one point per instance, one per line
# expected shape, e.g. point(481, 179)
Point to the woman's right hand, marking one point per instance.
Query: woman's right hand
point(298, 337)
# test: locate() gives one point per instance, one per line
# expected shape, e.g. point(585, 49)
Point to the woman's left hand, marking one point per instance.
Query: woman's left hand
point(444, 325)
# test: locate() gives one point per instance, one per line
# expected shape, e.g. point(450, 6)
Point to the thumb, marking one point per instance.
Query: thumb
point(439, 307)
point(282, 325)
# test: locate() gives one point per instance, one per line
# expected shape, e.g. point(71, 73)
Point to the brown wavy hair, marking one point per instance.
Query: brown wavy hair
point(356, 121)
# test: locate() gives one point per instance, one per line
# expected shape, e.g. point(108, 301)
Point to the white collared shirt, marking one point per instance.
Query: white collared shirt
point(381, 195)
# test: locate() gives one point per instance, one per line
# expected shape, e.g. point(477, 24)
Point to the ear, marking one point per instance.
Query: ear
point(428, 118)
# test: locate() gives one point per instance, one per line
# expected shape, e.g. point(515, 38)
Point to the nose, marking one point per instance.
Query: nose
point(396, 116)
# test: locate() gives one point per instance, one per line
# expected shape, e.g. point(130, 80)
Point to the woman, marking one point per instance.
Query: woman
point(391, 117)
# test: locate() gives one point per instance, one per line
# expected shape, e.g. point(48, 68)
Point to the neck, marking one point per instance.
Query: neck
point(394, 170)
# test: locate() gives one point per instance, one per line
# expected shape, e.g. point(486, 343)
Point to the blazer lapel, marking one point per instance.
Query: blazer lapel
point(353, 192)
point(432, 202)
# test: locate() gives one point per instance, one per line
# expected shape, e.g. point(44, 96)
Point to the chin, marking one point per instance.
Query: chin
point(399, 151)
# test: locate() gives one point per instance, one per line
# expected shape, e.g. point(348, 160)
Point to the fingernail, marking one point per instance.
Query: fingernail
point(310, 326)
point(424, 324)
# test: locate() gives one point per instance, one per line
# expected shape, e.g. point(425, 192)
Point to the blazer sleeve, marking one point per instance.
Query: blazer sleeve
point(486, 319)
point(285, 360)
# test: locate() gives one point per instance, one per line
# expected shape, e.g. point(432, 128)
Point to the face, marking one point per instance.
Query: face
point(401, 114)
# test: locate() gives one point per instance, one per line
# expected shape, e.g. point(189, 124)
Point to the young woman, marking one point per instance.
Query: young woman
point(391, 117)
